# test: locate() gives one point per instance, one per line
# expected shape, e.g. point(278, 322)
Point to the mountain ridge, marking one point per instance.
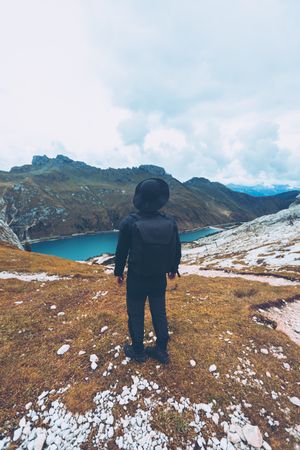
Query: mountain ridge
point(60, 197)
point(262, 190)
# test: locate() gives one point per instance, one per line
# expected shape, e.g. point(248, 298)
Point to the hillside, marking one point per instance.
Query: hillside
point(233, 379)
point(60, 197)
point(268, 244)
point(236, 206)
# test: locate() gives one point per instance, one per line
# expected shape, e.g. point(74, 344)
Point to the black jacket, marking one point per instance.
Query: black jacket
point(124, 243)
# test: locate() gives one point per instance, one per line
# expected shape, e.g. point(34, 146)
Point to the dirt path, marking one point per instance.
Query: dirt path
point(190, 269)
point(287, 318)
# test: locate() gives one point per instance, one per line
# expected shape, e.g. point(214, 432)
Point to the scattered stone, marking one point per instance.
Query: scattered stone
point(265, 351)
point(53, 307)
point(192, 363)
point(212, 368)
point(103, 329)
point(63, 349)
point(40, 440)
point(295, 401)
point(266, 446)
point(253, 435)
point(17, 434)
point(81, 352)
point(61, 313)
point(215, 418)
point(94, 358)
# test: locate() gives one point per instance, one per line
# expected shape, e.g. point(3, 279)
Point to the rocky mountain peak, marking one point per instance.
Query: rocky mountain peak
point(197, 180)
point(153, 170)
point(39, 160)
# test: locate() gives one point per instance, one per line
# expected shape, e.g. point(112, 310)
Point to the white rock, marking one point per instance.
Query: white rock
point(212, 368)
point(94, 358)
point(22, 422)
point(17, 434)
point(224, 444)
point(110, 432)
point(53, 307)
point(94, 365)
point(253, 435)
point(3, 443)
point(81, 352)
point(192, 362)
point(110, 420)
point(234, 438)
point(295, 401)
point(104, 329)
point(63, 349)
point(265, 351)
point(266, 446)
point(61, 313)
point(215, 418)
point(43, 395)
point(40, 440)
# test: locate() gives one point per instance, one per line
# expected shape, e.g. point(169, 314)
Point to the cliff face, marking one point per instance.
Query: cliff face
point(60, 197)
point(8, 236)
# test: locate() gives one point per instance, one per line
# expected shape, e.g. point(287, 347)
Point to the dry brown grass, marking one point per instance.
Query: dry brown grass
point(241, 293)
point(200, 310)
point(174, 424)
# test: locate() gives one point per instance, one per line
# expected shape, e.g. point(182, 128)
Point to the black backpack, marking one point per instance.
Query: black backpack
point(153, 244)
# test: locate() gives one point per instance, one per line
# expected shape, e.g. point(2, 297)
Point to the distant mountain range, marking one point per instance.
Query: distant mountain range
point(60, 197)
point(259, 190)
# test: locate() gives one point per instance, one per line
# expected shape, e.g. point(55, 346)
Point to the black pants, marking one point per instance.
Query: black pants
point(138, 288)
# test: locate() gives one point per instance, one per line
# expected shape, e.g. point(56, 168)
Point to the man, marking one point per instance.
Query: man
point(152, 242)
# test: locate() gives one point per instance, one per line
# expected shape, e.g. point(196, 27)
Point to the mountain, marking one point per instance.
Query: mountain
point(225, 205)
point(60, 197)
point(261, 190)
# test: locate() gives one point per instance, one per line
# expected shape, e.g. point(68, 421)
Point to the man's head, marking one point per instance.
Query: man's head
point(151, 194)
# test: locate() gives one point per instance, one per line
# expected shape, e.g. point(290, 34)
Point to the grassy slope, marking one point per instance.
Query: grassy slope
point(201, 310)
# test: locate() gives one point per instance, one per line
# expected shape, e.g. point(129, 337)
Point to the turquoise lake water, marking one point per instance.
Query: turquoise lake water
point(80, 248)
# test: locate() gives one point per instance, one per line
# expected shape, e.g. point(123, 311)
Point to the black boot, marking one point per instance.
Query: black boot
point(131, 353)
point(158, 354)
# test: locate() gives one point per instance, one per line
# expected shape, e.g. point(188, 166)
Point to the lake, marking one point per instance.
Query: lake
point(80, 248)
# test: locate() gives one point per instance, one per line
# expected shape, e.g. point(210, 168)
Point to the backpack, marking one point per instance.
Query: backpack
point(153, 244)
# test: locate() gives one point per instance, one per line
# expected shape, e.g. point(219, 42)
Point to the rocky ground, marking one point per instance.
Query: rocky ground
point(269, 244)
point(287, 318)
point(232, 383)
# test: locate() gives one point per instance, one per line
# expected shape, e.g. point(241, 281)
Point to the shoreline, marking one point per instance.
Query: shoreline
point(69, 236)
point(88, 233)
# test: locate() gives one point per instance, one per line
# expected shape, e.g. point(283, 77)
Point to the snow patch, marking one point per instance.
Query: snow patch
point(31, 276)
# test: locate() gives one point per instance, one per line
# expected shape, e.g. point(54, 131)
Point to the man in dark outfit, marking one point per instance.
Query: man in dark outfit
point(146, 276)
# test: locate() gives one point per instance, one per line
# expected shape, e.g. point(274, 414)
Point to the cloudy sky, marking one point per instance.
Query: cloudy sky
point(201, 87)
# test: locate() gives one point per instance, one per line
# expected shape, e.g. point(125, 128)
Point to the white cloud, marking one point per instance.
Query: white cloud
point(202, 88)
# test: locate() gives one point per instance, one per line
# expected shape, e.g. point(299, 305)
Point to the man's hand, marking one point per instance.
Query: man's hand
point(120, 280)
point(171, 275)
